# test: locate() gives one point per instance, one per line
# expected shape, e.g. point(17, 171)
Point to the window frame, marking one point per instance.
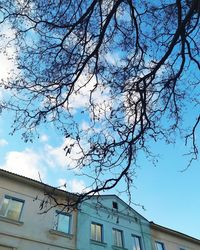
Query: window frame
point(160, 243)
point(96, 235)
point(56, 221)
point(12, 198)
point(115, 205)
point(139, 240)
point(115, 240)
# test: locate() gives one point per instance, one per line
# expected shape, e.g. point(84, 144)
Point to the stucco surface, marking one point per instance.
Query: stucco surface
point(33, 232)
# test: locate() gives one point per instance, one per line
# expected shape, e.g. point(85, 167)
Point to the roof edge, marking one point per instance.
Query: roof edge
point(117, 197)
point(174, 232)
point(35, 183)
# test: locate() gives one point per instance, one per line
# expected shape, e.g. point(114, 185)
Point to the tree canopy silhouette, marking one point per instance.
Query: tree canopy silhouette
point(111, 75)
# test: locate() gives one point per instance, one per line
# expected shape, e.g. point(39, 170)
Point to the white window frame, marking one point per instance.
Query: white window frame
point(135, 247)
point(96, 237)
point(56, 222)
point(159, 243)
point(11, 198)
point(118, 237)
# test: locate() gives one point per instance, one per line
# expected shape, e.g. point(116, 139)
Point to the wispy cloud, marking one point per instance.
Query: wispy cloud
point(86, 92)
point(6, 66)
point(3, 142)
point(74, 185)
point(77, 186)
point(56, 156)
point(44, 138)
point(8, 52)
point(39, 163)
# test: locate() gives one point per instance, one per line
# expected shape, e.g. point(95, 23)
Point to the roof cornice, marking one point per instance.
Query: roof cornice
point(174, 233)
point(37, 184)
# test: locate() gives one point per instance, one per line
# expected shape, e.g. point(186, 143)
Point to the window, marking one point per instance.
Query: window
point(115, 205)
point(96, 232)
point(11, 208)
point(5, 248)
point(136, 243)
point(62, 222)
point(159, 245)
point(117, 238)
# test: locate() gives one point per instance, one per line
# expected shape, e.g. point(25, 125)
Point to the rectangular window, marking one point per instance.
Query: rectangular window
point(159, 245)
point(62, 222)
point(11, 208)
point(117, 237)
point(96, 232)
point(115, 205)
point(136, 242)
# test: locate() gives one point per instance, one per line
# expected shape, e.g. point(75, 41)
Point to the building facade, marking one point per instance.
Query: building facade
point(29, 220)
point(168, 239)
point(23, 226)
point(107, 223)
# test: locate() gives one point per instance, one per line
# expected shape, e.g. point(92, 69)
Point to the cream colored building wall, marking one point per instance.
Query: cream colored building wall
point(33, 232)
point(174, 241)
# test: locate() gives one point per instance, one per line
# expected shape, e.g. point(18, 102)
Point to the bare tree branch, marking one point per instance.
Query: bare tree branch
point(128, 68)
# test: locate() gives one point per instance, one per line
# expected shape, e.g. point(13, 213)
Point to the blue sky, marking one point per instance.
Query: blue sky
point(170, 196)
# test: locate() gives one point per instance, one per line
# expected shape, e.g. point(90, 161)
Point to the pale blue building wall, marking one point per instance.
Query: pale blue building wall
point(125, 219)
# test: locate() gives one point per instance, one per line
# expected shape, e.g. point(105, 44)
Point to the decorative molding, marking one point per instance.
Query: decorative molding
point(99, 243)
point(38, 241)
point(15, 222)
point(118, 248)
point(66, 235)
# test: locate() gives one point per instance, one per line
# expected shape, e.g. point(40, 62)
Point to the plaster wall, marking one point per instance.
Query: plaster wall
point(34, 230)
point(122, 219)
point(173, 241)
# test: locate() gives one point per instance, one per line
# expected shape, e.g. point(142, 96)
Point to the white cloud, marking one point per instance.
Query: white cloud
point(6, 66)
point(26, 163)
point(33, 163)
point(3, 142)
point(56, 156)
point(62, 184)
point(74, 185)
point(77, 186)
point(114, 59)
point(36, 164)
point(81, 97)
point(8, 52)
point(85, 126)
point(44, 138)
